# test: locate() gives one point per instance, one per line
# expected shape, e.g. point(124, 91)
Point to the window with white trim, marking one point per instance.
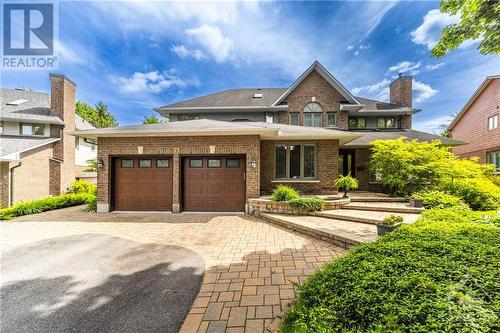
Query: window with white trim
point(296, 161)
point(313, 115)
point(492, 122)
point(494, 158)
point(294, 118)
point(32, 129)
point(331, 119)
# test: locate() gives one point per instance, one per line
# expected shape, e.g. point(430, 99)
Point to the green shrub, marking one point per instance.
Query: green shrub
point(478, 193)
point(493, 219)
point(308, 204)
point(81, 186)
point(92, 205)
point(496, 180)
point(392, 220)
point(432, 276)
point(440, 199)
point(45, 204)
point(346, 183)
point(284, 193)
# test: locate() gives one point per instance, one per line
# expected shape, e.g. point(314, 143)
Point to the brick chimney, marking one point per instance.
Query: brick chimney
point(401, 90)
point(62, 105)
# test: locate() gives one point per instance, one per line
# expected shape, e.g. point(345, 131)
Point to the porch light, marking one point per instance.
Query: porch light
point(253, 163)
point(100, 164)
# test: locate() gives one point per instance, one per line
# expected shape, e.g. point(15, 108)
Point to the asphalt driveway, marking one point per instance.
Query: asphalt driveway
point(97, 283)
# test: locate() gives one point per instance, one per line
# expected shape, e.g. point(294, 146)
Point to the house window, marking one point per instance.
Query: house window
point(144, 163)
point(127, 163)
point(386, 122)
point(214, 163)
point(295, 161)
point(332, 119)
point(188, 117)
point(494, 158)
point(269, 118)
point(294, 119)
point(492, 122)
point(162, 163)
point(32, 129)
point(357, 122)
point(313, 115)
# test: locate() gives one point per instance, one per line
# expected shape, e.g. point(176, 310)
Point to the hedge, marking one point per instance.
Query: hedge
point(437, 275)
point(308, 204)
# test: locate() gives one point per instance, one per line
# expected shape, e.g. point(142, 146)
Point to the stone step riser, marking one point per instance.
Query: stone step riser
point(409, 210)
point(378, 200)
point(348, 218)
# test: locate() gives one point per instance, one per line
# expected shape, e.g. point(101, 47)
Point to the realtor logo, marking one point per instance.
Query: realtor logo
point(28, 35)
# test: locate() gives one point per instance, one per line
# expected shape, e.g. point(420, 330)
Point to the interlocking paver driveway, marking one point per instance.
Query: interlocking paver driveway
point(250, 265)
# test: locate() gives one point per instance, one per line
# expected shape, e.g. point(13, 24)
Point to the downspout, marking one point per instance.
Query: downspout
point(11, 171)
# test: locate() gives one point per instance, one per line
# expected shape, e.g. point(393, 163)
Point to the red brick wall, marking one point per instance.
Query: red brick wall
point(400, 91)
point(472, 127)
point(4, 184)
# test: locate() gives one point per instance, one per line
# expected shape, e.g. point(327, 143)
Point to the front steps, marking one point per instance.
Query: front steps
point(394, 207)
point(363, 216)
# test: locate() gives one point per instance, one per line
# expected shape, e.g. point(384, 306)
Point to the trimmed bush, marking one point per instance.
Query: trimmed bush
point(478, 193)
point(45, 204)
point(440, 199)
point(81, 186)
point(432, 276)
point(392, 220)
point(284, 193)
point(308, 204)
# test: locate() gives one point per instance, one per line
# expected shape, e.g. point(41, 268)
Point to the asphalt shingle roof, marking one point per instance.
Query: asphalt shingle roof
point(36, 109)
point(369, 136)
point(11, 145)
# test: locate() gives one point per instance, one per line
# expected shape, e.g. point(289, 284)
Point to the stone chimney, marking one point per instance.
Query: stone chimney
point(401, 90)
point(62, 105)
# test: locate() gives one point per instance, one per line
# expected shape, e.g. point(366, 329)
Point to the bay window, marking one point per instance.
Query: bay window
point(295, 161)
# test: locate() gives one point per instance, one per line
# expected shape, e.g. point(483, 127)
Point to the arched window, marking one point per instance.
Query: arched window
point(313, 115)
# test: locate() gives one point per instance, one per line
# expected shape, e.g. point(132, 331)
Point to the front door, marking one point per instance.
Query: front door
point(347, 163)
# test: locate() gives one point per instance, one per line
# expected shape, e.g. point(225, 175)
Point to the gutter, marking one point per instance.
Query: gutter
point(11, 171)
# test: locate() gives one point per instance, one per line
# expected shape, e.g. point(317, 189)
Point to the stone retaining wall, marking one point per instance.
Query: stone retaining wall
point(256, 206)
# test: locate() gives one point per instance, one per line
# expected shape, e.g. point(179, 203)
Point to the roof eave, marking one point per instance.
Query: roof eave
point(34, 120)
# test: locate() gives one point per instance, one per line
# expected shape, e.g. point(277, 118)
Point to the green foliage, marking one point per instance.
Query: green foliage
point(92, 205)
point(478, 19)
point(392, 220)
point(437, 275)
point(98, 116)
point(478, 193)
point(496, 180)
point(308, 204)
point(81, 186)
point(284, 193)
point(346, 183)
point(153, 119)
point(91, 166)
point(45, 204)
point(440, 199)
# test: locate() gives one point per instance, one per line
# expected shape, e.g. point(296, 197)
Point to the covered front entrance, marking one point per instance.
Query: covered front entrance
point(213, 184)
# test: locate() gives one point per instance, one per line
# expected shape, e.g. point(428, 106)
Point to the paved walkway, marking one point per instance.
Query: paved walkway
point(250, 265)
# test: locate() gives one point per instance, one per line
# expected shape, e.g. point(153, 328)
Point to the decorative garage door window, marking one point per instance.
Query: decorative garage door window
point(144, 163)
point(127, 163)
point(233, 162)
point(162, 163)
point(214, 163)
point(196, 163)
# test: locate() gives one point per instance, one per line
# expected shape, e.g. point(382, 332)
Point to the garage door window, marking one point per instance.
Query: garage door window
point(162, 163)
point(196, 163)
point(127, 163)
point(214, 163)
point(233, 163)
point(144, 163)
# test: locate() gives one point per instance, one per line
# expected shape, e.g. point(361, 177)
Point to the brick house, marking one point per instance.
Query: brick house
point(38, 158)
point(478, 124)
point(222, 149)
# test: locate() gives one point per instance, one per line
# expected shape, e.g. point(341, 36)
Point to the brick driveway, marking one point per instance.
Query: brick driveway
point(250, 265)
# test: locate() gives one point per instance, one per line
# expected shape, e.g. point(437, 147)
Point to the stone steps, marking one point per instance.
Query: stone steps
point(381, 199)
point(362, 216)
point(393, 207)
point(339, 232)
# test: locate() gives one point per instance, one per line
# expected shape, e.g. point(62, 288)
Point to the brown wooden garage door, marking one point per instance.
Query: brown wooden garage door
point(143, 183)
point(214, 184)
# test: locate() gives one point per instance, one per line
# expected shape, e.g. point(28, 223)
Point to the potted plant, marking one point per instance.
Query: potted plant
point(416, 200)
point(346, 183)
point(390, 223)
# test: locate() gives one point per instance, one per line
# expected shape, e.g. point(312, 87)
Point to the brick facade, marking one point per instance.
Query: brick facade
point(472, 126)
point(176, 147)
point(4, 184)
point(327, 155)
point(400, 91)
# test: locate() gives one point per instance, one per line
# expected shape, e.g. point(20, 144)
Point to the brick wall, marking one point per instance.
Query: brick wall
point(327, 153)
point(405, 121)
point(176, 147)
point(472, 127)
point(4, 184)
point(400, 91)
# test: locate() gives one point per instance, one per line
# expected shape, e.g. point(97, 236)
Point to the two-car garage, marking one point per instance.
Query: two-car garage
point(207, 183)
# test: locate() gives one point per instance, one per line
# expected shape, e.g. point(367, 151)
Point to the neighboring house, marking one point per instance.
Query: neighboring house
point(239, 144)
point(37, 156)
point(478, 124)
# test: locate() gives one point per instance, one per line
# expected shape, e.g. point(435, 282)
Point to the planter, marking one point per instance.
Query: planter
point(382, 229)
point(417, 203)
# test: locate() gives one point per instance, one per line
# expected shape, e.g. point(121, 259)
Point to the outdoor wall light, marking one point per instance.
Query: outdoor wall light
point(253, 163)
point(100, 164)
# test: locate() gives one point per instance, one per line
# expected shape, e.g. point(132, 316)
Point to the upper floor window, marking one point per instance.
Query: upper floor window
point(494, 158)
point(313, 115)
point(357, 122)
point(188, 117)
point(294, 118)
point(332, 119)
point(32, 129)
point(493, 122)
point(386, 122)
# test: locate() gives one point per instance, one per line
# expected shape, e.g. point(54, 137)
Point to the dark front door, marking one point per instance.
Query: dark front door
point(142, 183)
point(214, 184)
point(347, 163)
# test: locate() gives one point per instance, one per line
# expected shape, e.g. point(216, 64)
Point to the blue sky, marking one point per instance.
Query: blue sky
point(136, 55)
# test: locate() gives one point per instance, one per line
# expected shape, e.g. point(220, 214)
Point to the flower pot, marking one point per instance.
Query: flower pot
point(382, 229)
point(417, 203)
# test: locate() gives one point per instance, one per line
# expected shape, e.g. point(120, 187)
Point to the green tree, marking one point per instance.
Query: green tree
point(478, 19)
point(153, 119)
point(98, 116)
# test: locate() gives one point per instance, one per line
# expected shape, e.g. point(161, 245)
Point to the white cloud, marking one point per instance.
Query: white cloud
point(183, 52)
point(379, 90)
point(149, 82)
point(350, 47)
point(423, 91)
point(406, 67)
point(211, 37)
point(68, 54)
point(432, 125)
point(429, 32)
point(432, 67)
point(360, 48)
